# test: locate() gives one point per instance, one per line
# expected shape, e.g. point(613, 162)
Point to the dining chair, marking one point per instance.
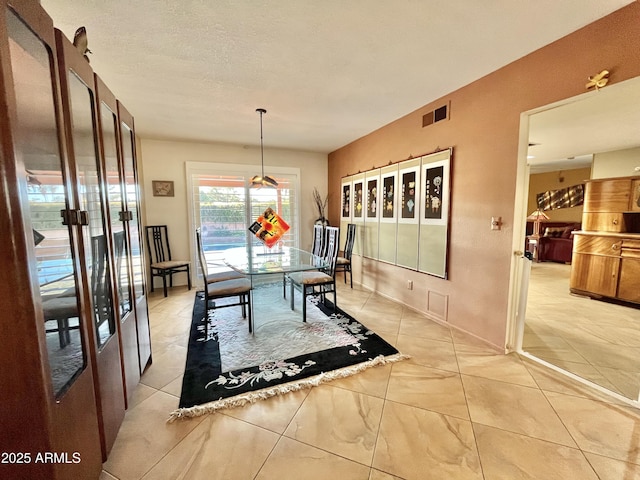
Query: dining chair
point(161, 263)
point(318, 240)
point(64, 307)
point(61, 309)
point(225, 274)
point(101, 286)
point(343, 263)
point(219, 289)
point(322, 280)
point(317, 249)
point(119, 247)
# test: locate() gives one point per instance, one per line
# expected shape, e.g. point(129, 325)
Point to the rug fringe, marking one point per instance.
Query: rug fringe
point(252, 397)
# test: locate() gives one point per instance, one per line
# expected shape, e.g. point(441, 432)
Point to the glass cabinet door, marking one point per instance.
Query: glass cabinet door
point(36, 143)
point(131, 192)
point(87, 163)
point(117, 209)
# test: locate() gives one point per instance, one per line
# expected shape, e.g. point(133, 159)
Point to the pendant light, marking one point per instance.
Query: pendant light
point(263, 180)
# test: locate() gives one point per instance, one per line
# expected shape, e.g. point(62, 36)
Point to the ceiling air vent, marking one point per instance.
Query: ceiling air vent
point(437, 115)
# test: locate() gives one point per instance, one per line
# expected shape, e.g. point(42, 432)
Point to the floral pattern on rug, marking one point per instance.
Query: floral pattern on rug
point(330, 343)
point(268, 371)
point(350, 334)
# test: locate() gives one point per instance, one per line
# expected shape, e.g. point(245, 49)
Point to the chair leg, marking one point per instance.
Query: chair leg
point(284, 286)
point(250, 313)
point(304, 303)
point(345, 274)
point(242, 300)
point(164, 284)
point(292, 294)
point(189, 276)
point(152, 278)
point(350, 276)
point(67, 333)
point(61, 337)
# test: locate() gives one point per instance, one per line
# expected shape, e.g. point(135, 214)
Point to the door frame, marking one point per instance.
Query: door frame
point(519, 278)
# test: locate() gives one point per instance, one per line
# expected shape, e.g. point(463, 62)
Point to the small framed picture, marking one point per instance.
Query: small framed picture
point(163, 188)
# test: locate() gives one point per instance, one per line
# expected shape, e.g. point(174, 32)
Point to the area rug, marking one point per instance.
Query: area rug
point(227, 366)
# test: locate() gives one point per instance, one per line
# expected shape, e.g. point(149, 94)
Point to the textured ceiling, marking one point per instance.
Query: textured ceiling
point(328, 72)
point(566, 136)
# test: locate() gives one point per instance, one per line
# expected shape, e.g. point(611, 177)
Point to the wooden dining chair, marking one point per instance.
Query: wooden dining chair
point(343, 263)
point(232, 286)
point(161, 263)
point(321, 281)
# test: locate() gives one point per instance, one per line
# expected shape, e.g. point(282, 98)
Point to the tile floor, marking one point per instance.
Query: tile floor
point(596, 340)
point(456, 410)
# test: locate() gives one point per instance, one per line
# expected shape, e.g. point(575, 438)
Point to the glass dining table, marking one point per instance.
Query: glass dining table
point(256, 261)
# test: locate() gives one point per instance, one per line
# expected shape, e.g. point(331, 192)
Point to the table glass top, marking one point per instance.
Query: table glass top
point(255, 260)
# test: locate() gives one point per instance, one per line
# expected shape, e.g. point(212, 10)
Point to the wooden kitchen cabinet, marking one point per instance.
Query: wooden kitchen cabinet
point(606, 253)
point(595, 274)
point(635, 195)
point(628, 284)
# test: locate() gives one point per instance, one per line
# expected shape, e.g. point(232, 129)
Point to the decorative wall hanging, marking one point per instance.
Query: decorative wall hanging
point(346, 202)
point(563, 198)
point(409, 185)
point(269, 227)
point(357, 200)
point(162, 188)
point(372, 198)
point(598, 81)
point(406, 207)
point(433, 192)
point(389, 196)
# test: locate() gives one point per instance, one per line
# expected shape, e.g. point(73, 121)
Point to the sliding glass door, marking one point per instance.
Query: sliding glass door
point(223, 206)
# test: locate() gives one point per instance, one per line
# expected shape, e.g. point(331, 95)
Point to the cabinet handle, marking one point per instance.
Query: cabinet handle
point(83, 217)
point(615, 221)
point(615, 246)
point(125, 216)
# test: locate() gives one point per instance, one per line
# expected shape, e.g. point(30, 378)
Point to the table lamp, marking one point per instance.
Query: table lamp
point(537, 217)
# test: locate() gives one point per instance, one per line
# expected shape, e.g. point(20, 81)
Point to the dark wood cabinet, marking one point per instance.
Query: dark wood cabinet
point(65, 237)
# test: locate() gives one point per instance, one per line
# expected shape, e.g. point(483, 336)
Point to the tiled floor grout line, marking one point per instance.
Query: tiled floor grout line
point(456, 346)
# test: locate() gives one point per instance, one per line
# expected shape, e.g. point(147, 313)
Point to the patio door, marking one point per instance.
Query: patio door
point(223, 206)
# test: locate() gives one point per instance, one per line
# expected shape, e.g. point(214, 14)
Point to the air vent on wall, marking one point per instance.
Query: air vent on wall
point(437, 115)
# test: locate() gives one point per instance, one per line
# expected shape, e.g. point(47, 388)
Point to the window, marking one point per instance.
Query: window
point(223, 206)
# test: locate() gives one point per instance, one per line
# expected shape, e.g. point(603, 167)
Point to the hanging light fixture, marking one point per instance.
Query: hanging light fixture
point(263, 180)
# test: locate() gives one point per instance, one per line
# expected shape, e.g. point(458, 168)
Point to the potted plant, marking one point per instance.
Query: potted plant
point(321, 206)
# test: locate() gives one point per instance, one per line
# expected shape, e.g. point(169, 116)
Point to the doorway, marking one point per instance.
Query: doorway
point(594, 341)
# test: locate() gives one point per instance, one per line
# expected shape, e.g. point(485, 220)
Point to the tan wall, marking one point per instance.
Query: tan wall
point(484, 131)
point(619, 163)
point(165, 160)
point(543, 182)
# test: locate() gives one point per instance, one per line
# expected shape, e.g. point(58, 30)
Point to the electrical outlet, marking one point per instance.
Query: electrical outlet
point(410, 284)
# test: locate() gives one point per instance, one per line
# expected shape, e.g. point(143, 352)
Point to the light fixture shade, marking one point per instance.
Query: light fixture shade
point(538, 215)
point(259, 181)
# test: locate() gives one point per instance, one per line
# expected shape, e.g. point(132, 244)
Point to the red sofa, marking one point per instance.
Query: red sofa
point(556, 242)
